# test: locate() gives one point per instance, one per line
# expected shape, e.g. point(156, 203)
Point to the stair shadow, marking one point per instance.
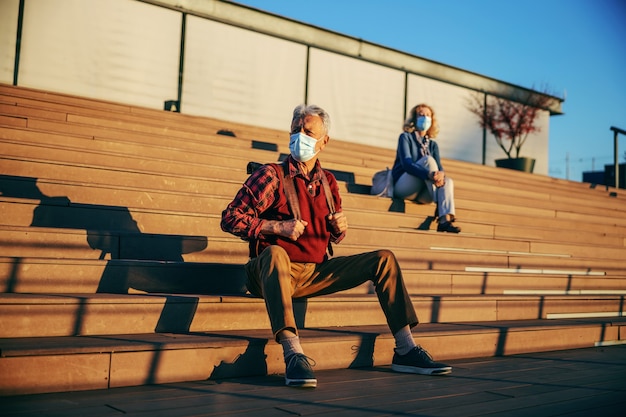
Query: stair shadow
point(398, 205)
point(252, 362)
point(113, 231)
point(146, 262)
point(363, 351)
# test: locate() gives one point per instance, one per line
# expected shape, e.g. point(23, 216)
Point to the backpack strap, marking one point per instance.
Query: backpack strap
point(292, 196)
point(328, 193)
point(329, 201)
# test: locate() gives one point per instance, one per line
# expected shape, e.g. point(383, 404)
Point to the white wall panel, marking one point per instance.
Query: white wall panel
point(119, 50)
point(365, 101)
point(243, 76)
point(537, 146)
point(127, 51)
point(9, 10)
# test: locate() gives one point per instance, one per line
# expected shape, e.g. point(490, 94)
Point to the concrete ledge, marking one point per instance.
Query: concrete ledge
point(84, 363)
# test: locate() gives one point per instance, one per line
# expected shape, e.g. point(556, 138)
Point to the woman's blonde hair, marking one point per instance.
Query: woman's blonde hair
point(409, 123)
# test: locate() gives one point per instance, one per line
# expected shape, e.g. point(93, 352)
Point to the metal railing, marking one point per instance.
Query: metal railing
point(616, 132)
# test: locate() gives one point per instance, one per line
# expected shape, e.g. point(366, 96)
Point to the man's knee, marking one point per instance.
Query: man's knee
point(385, 254)
point(274, 253)
point(386, 257)
point(387, 269)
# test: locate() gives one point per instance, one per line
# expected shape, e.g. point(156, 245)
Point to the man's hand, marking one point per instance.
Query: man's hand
point(291, 229)
point(338, 223)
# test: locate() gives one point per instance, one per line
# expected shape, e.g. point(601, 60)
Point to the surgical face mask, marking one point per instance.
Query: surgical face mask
point(302, 147)
point(423, 123)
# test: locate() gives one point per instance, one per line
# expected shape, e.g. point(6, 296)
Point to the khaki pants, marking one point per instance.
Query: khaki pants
point(274, 277)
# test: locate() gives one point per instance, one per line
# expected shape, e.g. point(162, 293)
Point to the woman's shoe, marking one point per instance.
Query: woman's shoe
point(448, 227)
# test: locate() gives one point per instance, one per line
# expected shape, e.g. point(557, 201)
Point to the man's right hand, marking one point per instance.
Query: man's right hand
point(291, 229)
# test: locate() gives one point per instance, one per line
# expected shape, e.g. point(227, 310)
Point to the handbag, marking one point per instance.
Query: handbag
point(382, 184)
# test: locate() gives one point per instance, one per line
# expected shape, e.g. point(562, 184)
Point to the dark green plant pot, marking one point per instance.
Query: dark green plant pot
point(519, 164)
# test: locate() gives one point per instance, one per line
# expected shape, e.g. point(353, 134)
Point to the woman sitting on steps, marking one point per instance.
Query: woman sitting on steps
point(417, 171)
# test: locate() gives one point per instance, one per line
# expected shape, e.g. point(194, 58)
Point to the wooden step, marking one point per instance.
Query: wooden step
point(364, 176)
point(49, 275)
point(96, 121)
point(167, 151)
point(42, 315)
point(235, 169)
point(179, 187)
point(88, 241)
point(100, 219)
point(131, 198)
point(43, 96)
point(379, 150)
point(188, 191)
point(77, 363)
point(82, 104)
point(11, 94)
point(355, 147)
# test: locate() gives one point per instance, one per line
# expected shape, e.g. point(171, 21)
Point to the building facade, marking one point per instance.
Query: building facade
point(223, 60)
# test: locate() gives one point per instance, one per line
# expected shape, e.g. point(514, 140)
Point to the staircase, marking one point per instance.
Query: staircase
point(114, 270)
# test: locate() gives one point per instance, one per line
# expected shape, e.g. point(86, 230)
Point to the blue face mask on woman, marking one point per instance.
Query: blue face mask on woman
point(302, 147)
point(423, 123)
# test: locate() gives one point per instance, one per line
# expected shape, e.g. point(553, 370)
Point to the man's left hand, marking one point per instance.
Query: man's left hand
point(338, 223)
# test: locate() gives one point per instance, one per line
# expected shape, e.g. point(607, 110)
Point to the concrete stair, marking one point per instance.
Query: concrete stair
point(114, 270)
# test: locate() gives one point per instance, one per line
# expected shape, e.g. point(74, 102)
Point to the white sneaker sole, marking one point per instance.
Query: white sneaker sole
point(301, 383)
point(422, 371)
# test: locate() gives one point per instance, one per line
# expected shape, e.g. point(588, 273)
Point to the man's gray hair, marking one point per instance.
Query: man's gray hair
point(301, 111)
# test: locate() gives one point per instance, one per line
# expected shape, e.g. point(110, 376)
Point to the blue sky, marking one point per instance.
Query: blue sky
point(576, 47)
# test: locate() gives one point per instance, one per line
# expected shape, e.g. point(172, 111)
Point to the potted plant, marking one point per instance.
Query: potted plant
point(511, 122)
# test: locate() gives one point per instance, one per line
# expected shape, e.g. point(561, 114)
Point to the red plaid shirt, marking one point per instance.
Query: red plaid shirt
point(242, 217)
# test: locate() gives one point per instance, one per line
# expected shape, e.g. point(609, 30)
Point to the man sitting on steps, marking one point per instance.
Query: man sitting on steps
point(289, 249)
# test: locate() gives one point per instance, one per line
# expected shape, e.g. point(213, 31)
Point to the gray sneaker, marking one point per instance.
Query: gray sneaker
point(418, 361)
point(299, 372)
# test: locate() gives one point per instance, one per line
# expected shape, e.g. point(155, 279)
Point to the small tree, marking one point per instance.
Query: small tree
point(510, 122)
